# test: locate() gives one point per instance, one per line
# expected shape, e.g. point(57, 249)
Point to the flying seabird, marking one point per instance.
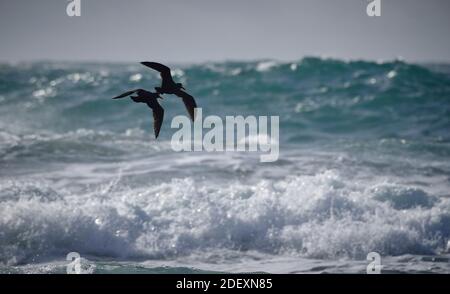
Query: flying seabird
point(168, 86)
point(152, 101)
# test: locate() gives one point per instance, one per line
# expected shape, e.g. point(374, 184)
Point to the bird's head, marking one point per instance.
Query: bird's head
point(180, 85)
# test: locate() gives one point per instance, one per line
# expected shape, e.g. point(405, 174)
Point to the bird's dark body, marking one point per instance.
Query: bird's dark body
point(151, 99)
point(168, 86)
point(169, 89)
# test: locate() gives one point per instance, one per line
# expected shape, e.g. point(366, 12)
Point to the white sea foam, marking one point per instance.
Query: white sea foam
point(320, 216)
point(136, 77)
point(80, 172)
point(265, 66)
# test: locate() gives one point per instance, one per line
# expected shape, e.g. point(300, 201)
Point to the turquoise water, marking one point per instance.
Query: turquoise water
point(364, 166)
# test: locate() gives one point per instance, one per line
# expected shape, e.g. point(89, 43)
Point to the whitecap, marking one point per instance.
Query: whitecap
point(320, 216)
point(265, 66)
point(392, 74)
point(136, 77)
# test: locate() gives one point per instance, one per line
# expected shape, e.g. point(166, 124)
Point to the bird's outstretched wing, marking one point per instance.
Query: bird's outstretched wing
point(126, 94)
point(158, 117)
point(189, 102)
point(166, 76)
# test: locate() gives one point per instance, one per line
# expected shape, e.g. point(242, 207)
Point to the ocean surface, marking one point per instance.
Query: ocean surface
point(364, 166)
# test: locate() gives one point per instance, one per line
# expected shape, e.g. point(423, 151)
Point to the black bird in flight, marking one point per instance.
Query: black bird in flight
point(168, 86)
point(152, 101)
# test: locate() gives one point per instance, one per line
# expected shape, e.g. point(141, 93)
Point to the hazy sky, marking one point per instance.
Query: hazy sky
point(202, 30)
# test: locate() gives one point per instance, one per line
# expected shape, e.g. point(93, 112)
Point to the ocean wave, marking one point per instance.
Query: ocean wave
point(81, 145)
point(320, 216)
point(364, 149)
point(324, 95)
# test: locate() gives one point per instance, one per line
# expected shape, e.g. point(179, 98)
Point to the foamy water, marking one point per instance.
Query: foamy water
point(364, 166)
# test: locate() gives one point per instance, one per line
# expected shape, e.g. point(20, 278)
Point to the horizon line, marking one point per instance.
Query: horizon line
point(225, 60)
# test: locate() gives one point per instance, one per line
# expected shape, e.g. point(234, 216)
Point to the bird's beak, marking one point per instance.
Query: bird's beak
point(183, 88)
point(160, 97)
